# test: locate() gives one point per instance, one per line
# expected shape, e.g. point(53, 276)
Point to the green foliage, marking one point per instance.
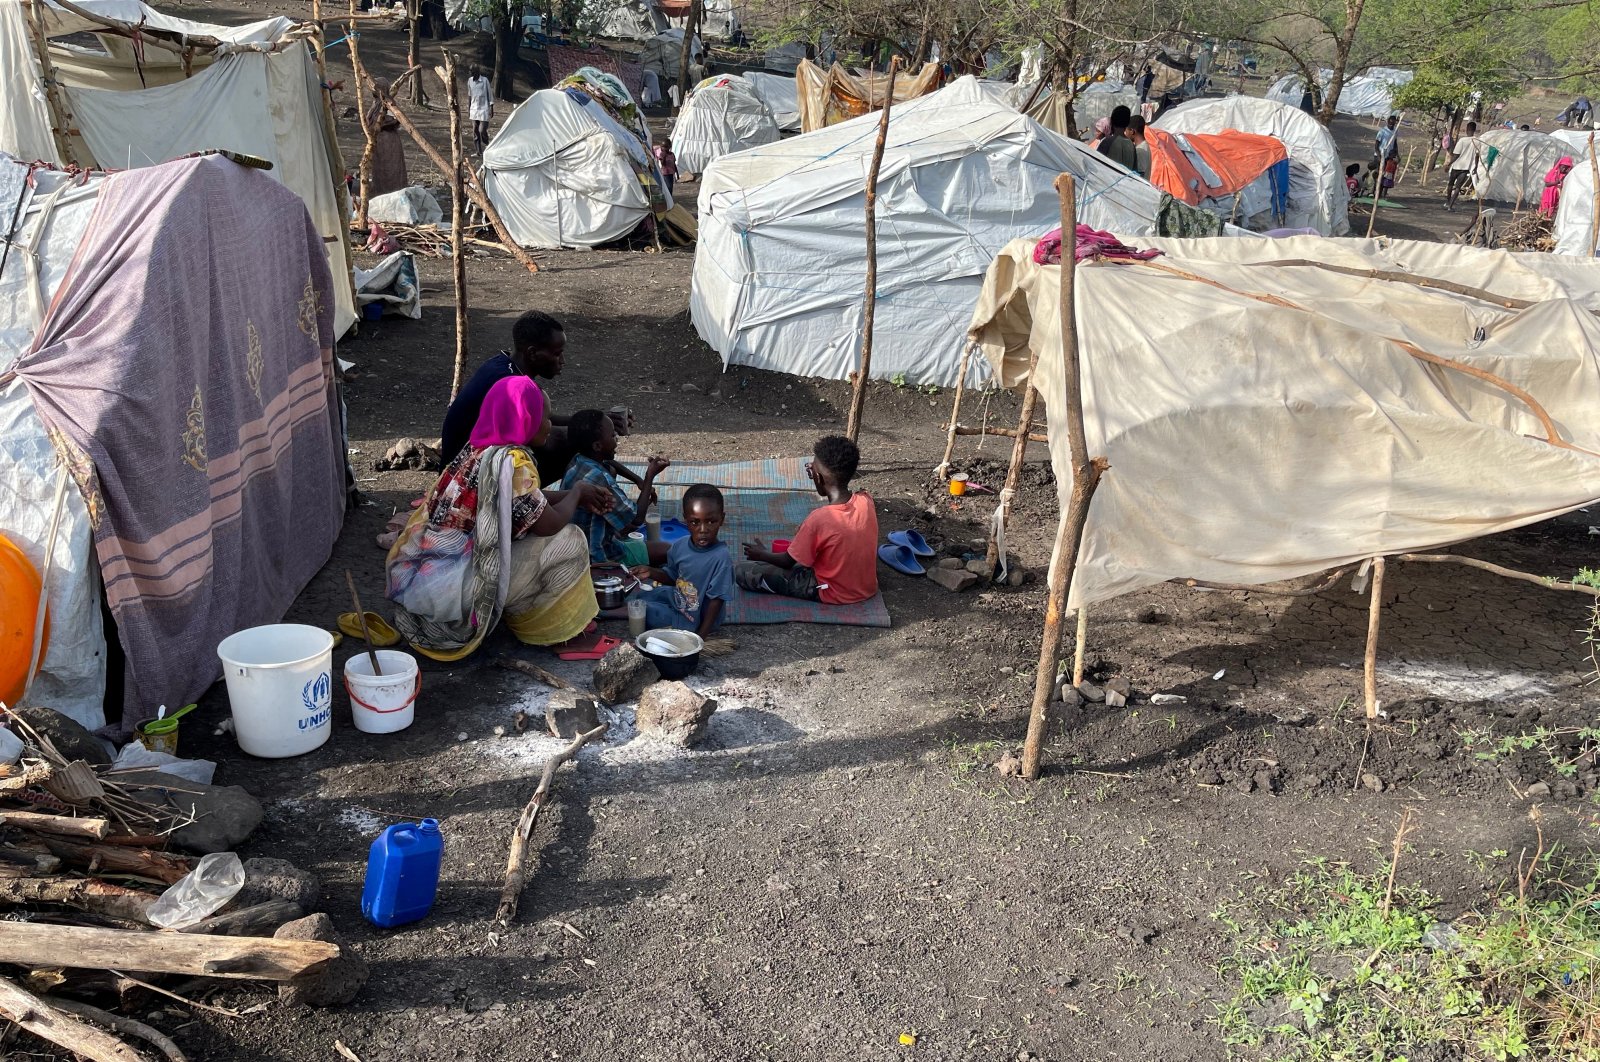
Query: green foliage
point(1338, 974)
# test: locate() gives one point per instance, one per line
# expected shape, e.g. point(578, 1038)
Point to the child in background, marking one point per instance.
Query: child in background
point(593, 438)
point(1352, 179)
point(668, 161)
point(833, 558)
point(698, 573)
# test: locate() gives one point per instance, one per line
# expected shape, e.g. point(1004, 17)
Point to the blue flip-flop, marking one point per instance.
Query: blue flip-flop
point(901, 559)
point(912, 540)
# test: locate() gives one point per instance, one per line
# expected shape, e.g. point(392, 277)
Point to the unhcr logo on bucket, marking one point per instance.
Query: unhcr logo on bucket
point(317, 696)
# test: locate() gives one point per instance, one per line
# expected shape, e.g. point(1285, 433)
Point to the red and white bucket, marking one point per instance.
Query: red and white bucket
point(382, 704)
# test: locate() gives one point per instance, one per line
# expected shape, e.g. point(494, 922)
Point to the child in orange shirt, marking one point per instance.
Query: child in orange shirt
point(833, 558)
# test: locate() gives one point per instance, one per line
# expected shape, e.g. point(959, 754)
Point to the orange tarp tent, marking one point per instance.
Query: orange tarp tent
point(1235, 158)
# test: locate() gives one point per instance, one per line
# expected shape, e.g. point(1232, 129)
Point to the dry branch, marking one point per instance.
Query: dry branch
point(116, 859)
point(516, 869)
point(1509, 573)
point(858, 394)
point(243, 958)
point(262, 920)
point(127, 1026)
point(1004, 433)
point(48, 1022)
point(550, 679)
point(61, 825)
point(84, 894)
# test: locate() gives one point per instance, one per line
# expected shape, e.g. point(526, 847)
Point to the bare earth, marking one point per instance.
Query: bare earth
point(841, 869)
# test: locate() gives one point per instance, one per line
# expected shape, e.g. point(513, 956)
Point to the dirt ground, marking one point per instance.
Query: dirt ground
point(841, 873)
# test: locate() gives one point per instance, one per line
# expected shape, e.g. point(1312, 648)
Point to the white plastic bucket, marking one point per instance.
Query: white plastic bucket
point(382, 704)
point(280, 686)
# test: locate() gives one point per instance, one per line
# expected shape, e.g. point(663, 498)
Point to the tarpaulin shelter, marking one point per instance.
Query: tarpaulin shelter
point(1318, 198)
point(1303, 404)
point(569, 170)
point(190, 425)
point(832, 95)
point(780, 267)
point(1577, 224)
point(1521, 159)
point(1369, 94)
point(663, 54)
point(1232, 174)
point(781, 95)
point(722, 115)
point(183, 87)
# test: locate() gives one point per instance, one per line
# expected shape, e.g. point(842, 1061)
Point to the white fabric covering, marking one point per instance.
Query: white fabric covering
point(558, 172)
point(1518, 171)
point(1317, 196)
point(1365, 95)
point(409, 206)
point(724, 114)
point(781, 95)
point(780, 267)
point(1575, 228)
point(1250, 442)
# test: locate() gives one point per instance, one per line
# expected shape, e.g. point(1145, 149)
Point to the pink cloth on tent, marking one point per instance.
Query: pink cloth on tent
point(185, 372)
point(1092, 243)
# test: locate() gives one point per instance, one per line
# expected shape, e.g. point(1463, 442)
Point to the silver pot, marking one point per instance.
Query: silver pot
point(611, 591)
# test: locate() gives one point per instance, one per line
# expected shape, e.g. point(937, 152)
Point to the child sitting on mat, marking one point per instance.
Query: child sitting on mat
point(593, 438)
point(833, 558)
point(698, 572)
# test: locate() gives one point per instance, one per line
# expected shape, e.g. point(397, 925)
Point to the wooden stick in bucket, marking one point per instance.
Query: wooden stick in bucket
point(361, 618)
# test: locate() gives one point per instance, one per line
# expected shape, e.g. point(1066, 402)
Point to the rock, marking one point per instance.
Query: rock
point(224, 816)
point(1162, 700)
point(1016, 575)
point(1538, 789)
point(622, 674)
point(1091, 693)
point(1066, 692)
point(70, 737)
point(267, 879)
point(979, 567)
point(1565, 790)
point(568, 714)
point(953, 580)
point(1372, 782)
point(1009, 765)
point(409, 455)
point(1117, 692)
point(953, 563)
point(334, 983)
point(1245, 784)
point(689, 388)
point(672, 712)
point(1208, 778)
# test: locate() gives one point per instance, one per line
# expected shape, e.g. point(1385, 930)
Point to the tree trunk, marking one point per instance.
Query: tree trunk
point(1342, 43)
point(414, 48)
point(691, 27)
point(506, 35)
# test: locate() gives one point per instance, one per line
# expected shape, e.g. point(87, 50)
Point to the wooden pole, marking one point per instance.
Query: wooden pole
point(516, 868)
point(419, 94)
point(1377, 194)
point(364, 167)
point(1594, 199)
point(1085, 477)
point(1019, 449)
point(479, 197)
point(458, 221)
point(1369, 685)
point(1080, 645)
point(1004, 433)
point(48, 1023)
point(61, 825)
point(955, 413)
point(83, 894)
point(691, 26)
point(61, 130)
point(330, 140)
point(858, 393)
point(243, 958)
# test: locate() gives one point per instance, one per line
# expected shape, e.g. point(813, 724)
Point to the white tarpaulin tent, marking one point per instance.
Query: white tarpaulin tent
point(257, 93)
point(1577, 141)
point(663, 54)
point(1251, 442)
point(723, 114)
point(565, 173)
point(780, 267)
point(1317, 195)
point(1365, 95)
point(781, 95)
point(1524, 157)
point(1576, 230)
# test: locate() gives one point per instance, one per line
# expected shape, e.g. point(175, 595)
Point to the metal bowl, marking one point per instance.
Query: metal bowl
point(676, 654)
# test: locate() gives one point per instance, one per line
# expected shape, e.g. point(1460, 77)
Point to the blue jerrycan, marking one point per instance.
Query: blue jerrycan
point(402, 873)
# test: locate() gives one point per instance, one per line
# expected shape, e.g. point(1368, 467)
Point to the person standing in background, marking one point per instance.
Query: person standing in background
point(480, 108)
point(668, 162)
point(1141, 148)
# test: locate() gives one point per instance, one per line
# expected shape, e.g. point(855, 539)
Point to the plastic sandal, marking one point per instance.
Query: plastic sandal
point(901, 559)
point(383, 635)
point(912, 540)
point(604, 645)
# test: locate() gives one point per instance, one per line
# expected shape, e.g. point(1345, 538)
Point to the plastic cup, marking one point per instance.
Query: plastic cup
point(636, 616)
point(958, 484)
point(652, 527)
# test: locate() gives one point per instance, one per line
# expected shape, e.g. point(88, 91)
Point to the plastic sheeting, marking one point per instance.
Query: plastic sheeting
point(723, 114)
point(1366, 95)
point(832, 95)
point(1517, 175)
point(558, 171)
point(1251, 442)
point(780, 267)
point(1577, 228)
point(1317, 195)
point(663, 53)
point(409, 206)
point(781, 95)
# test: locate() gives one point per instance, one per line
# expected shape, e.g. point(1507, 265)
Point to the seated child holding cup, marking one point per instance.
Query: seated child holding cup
point(698, 573)
point(593, 437)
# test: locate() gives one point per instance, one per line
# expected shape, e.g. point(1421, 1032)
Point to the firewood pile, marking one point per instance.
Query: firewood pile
point(1530, 232)
point(85, 853)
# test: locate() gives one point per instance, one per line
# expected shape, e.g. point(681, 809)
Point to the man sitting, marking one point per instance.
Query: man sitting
point(594, 442)
point(538, 349)
point(833, 558)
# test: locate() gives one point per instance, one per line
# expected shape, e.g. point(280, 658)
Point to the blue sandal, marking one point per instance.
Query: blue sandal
point(913, 541)
point(901, 559)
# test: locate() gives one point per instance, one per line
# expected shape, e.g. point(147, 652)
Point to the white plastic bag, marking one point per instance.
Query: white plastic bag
point(200, 893)
point(135, 756)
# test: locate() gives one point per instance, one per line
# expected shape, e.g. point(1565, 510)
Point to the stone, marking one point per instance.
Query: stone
point(224, 816)
point(409, 455)
point(674, 713)
point(1009, 765)
point(622, 674)
point(1066, 692)
point(978, 566)
point(70, 737)
point(1091, 693)
point(953, 580)
point(1372, 782)
point(334, 983)
point(1117, 692)
point(1016, 575)
point(568, 714)
point(1208, 778)
point(953, 563)
point(1538, 789)
point(267, 879)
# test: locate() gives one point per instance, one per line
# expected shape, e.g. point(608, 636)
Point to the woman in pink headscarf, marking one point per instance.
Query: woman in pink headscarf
point(1552, 186)
point(1102, 129)
point(487, 542)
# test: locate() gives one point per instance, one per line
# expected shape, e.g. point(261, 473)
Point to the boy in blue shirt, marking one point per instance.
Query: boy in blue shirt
point(594, 442)
point(698, 573)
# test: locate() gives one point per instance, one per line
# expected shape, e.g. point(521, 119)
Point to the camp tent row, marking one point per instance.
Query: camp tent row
point(251, 89)
point(723, 114)
point(1522, 157)
point(1369, 94)
point(197, 417)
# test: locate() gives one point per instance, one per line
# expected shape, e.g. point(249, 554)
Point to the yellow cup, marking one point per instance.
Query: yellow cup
point(958, 484)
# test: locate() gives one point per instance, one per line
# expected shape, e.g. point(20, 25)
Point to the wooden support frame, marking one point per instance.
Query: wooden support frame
point(858, 388)
point(458, 218)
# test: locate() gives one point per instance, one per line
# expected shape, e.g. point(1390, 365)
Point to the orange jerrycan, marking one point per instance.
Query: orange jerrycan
point(19, 608)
